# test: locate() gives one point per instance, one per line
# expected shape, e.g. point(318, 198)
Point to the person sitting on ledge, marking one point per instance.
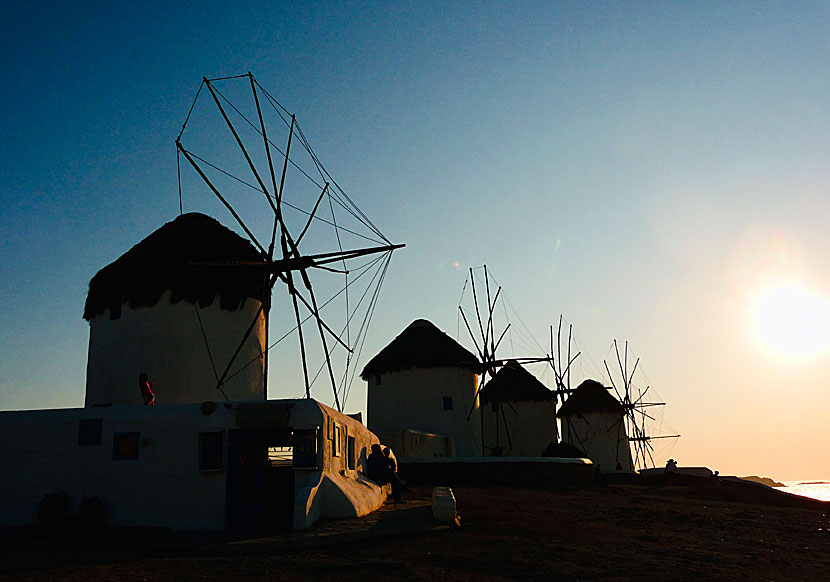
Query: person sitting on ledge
point(378, 470)
point(670, 470)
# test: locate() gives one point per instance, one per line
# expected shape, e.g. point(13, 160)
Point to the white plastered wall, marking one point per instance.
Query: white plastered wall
point(163, 487)
point(601, 436)
point(415, 444)
point(166, 342)
point(334, 489)
point(414, 399)
point(531, 426)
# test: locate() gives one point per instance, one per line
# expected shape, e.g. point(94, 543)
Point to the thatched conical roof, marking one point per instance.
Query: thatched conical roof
point(162, 261)
point(420, 345)
point(516, 384)
point(590, 396)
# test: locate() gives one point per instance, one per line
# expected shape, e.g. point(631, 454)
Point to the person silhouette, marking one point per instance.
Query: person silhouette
point(379, 471)
point(146, 388)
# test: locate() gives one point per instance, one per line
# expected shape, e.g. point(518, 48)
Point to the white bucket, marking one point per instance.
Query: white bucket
point(443, 504)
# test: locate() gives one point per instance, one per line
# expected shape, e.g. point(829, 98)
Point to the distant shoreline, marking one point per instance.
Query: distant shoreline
point(764, 481)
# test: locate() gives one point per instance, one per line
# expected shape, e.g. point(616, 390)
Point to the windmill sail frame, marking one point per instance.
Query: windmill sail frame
point(281, 256)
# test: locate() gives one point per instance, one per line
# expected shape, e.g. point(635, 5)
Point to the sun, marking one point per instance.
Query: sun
point(793, 321)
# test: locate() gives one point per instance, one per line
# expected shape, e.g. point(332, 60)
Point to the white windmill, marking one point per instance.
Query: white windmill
point(294, 225)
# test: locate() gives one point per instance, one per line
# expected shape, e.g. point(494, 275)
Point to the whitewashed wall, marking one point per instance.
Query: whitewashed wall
point(163, 487)
point(334, 489)
point(414, 399)
point(166, 342)
point(602, 436)
point(530, 424)
point(415, 444)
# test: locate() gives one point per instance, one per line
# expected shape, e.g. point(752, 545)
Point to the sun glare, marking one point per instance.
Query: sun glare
point(792, 321)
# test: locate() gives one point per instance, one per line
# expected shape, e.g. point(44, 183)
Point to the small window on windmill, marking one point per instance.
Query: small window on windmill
point(377, 379)
point(211, 451)
point(125, 446)
point(337, 441)
point(350, 451)
point(305, 448)
point(447, 402)
point(89, 431)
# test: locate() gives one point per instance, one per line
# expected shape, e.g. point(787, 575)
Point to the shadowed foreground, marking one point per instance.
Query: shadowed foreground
point(608, 533)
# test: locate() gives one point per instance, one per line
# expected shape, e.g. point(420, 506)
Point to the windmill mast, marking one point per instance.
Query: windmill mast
point(636, 418)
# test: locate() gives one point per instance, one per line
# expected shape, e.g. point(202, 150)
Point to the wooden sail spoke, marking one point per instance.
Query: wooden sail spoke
point(312, 213)
point(613, 385)
point(322, 328)
point(232, 359)
point(501, 337)
point(469, 329)
point(267, 153)
point(285, 164)
point(313, 311)
point(296, 263)
point(642, 394)
point(221, 198)
point(475, 303)
point(292, 290)
point(634, 369)
point(236, 136)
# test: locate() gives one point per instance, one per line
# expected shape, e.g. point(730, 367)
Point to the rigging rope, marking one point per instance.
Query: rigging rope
point(352, 208)
point(292, 206)
point(368, 319)
point(346, 327)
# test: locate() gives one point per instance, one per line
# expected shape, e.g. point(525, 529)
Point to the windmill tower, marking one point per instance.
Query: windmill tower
point(423, 381)
point(639, 412)
point(153, 311)
point(519, 413)
point(593, 421)
point(192, 304)
point(510, 394)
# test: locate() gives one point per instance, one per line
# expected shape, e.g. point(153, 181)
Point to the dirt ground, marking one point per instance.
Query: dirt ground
point(602, 533)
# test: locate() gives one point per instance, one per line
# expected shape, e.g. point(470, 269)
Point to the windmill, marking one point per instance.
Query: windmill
point(562, 374)
point(487, 341)
point(637, 413)
point(278, 187)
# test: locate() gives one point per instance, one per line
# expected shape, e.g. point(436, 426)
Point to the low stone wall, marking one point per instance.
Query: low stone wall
point(533, 472)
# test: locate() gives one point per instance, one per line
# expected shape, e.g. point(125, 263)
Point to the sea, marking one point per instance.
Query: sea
point(815, 489)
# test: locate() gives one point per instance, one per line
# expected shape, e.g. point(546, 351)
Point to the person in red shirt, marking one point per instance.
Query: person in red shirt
point(146, 389)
